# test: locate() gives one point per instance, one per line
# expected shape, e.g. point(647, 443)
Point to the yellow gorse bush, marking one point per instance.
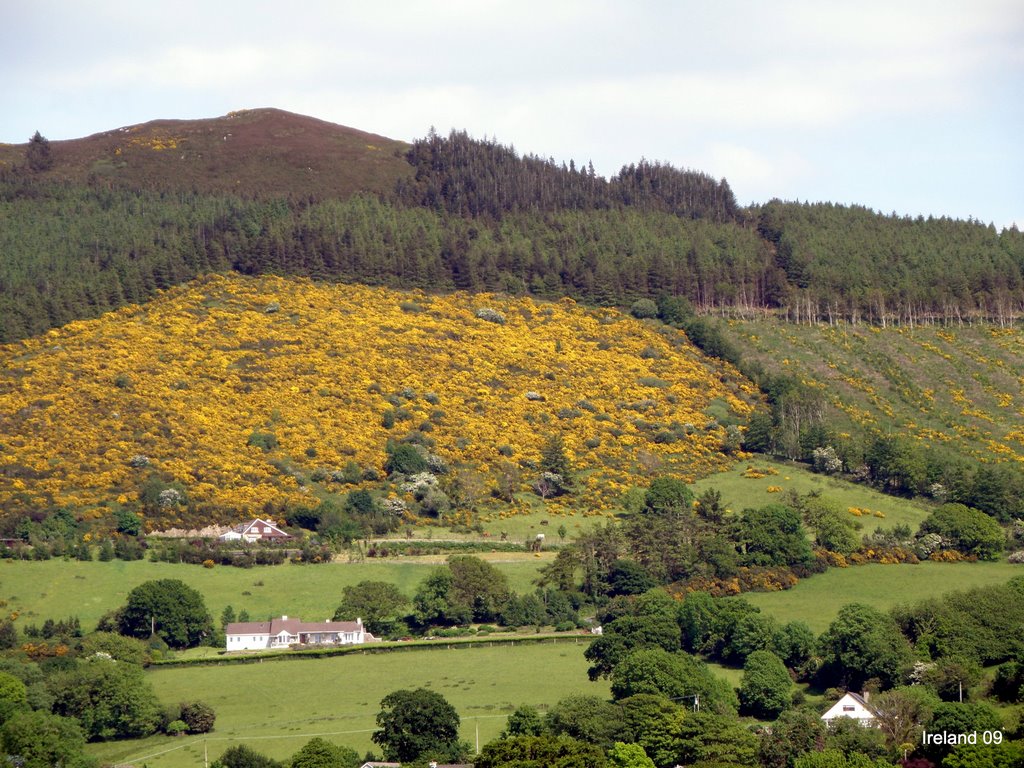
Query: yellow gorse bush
point(187, 379)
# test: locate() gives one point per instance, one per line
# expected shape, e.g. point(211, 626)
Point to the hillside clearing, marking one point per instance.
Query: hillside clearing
point(878, 509)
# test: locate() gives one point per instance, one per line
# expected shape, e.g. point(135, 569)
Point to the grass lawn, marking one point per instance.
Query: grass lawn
point(818, 599)
point(276, 706)
point(60, 588)
point(739, 492)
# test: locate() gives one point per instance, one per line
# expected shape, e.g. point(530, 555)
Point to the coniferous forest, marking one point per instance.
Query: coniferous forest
point(473, 214)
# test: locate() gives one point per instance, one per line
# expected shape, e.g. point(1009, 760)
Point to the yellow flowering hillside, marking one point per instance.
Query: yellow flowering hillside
point(243, 391)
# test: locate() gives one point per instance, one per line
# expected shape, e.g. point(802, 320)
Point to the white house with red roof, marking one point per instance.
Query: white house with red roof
point(255, 530)
point(285, 632)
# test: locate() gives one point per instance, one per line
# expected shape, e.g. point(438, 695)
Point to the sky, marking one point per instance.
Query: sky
point(909, 107)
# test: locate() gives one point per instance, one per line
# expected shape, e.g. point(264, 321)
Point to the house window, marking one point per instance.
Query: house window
point(849, 708)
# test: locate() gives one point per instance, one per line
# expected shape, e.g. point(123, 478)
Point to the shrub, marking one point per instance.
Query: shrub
point(265, 441)
point(198, 716)
point(644, 309)
point(826, 460)
point(176, 728)
point(405, 459)
point(490, 315)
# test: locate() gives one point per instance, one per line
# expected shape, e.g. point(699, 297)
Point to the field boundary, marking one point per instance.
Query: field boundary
point(366, 648)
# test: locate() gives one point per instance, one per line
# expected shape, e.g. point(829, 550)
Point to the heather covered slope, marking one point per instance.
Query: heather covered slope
point(247, 152)
point(240, 392)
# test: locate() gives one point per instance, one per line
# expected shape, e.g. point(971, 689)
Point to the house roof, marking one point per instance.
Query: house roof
point(291, 627)
point(848, 698)
point(860, 700)
point(253, 527)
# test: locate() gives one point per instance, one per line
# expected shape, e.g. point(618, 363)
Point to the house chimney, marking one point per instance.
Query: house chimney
point(866, 695)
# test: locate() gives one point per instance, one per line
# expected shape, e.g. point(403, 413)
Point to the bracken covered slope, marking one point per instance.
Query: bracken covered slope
point(188, 379)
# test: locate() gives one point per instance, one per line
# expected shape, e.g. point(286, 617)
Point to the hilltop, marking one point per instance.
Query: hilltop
point(250, 393)
point(247, 152)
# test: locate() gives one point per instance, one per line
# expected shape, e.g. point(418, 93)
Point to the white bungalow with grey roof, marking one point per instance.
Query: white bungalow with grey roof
point(284, 632)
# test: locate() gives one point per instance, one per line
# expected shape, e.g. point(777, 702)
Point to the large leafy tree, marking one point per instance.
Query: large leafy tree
point(626, 634)
point(773, 535)
point(623, 755)
point(766, 688)
point(588, 718)
point(170, 609)
point(38, 739)
point(713, 739)
point(377, 603)
point(970, 530)
point(678, 676)
point(111, 699)
point(653, 722)
point(242, 756)
point(417, 724)
point(860, 644)
point(320, 753)
point(795, 732)
point(478, 586)
point(522, 751)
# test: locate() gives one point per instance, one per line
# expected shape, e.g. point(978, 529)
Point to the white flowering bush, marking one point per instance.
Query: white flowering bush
point(826, 460)
point(419, 483)
point(169, 497)
point(394, 506)
point(490, 315)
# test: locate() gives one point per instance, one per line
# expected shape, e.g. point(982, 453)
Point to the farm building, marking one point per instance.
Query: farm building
point(284, 632)
point(853, 706)
point(255, 530)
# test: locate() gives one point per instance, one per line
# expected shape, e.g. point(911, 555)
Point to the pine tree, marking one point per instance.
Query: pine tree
point(38, 154)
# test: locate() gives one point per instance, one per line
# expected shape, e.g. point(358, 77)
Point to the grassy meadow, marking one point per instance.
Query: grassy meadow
point(277, 706)
point(818, 599)
point(60, 588)
point(739, 492)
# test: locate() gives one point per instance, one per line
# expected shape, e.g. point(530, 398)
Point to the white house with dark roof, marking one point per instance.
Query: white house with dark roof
point(853, 706)
point(285, 632)
point(255, 530)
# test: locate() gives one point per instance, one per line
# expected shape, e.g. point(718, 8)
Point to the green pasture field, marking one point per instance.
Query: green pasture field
point(276, 706)
point(818, 599)
point(60, 588)
point(740, 492)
